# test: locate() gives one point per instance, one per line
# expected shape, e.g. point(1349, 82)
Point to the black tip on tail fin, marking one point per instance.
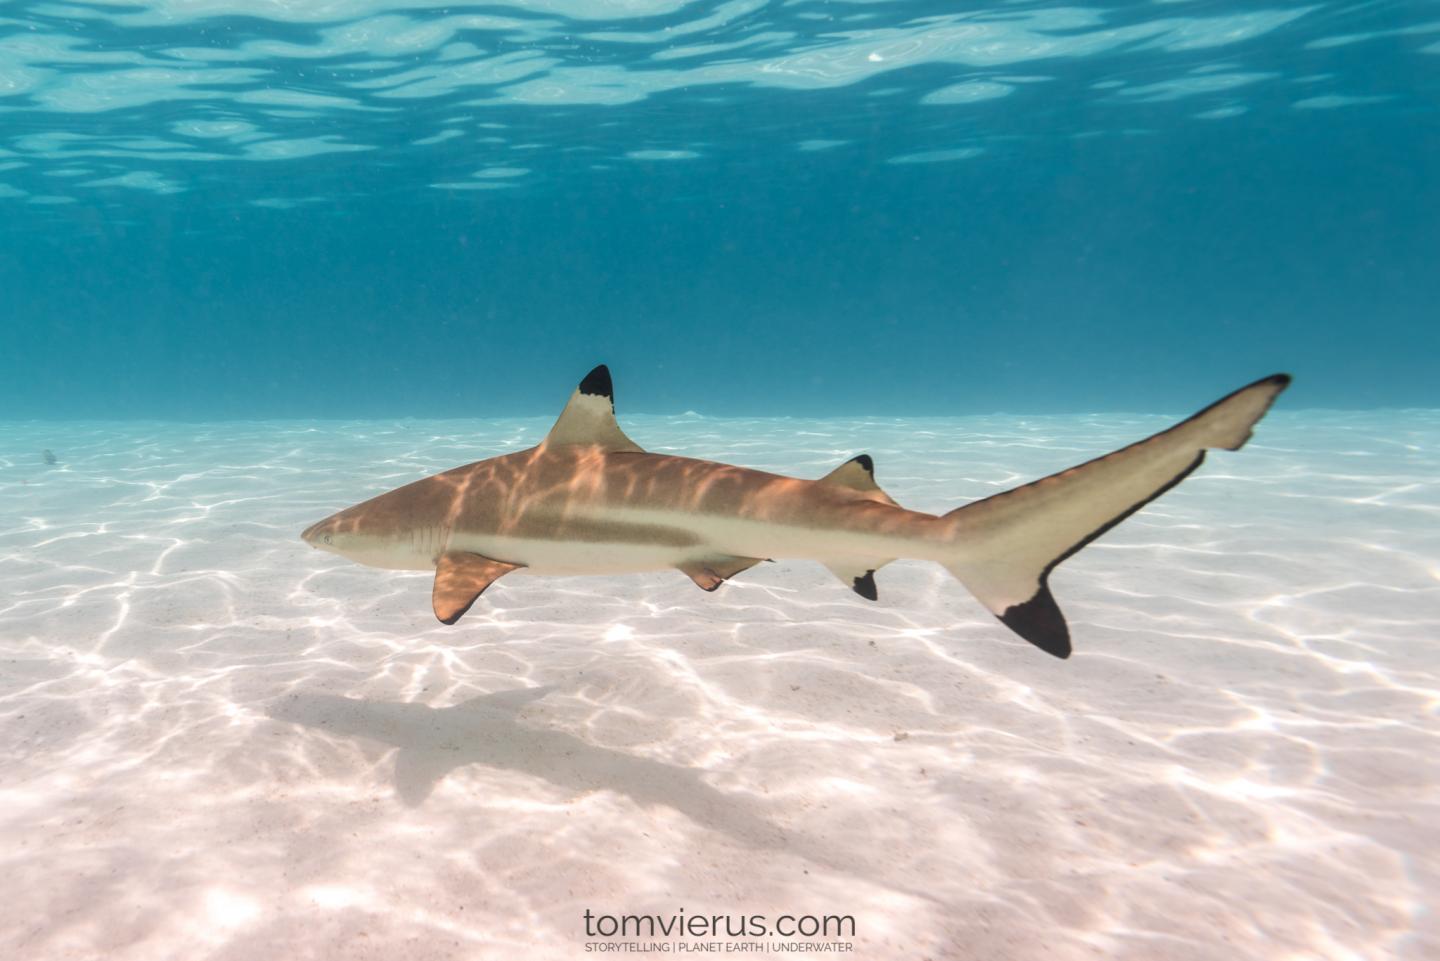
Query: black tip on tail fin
point(1007, 544)
point(1040, 622)
point(597, 383)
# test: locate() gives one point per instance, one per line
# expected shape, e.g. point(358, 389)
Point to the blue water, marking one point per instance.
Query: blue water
point(235, 209)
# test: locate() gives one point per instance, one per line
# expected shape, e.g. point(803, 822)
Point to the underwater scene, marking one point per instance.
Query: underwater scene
point(885, 478)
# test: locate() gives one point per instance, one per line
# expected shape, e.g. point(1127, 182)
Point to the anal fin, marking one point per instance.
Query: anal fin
point(460, 578)
point(860, 578)
point(710, 573)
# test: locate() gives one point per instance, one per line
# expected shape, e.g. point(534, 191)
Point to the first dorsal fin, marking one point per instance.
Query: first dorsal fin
point(589, 417)
point(858, 473)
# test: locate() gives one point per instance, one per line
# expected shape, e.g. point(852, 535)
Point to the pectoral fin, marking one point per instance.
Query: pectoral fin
point(460, 578)
point(714, 571)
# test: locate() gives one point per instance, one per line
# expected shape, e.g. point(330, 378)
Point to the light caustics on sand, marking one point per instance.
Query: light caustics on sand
point(219, 741)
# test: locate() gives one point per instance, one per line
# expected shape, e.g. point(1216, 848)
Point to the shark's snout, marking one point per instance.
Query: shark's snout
point(320, 534)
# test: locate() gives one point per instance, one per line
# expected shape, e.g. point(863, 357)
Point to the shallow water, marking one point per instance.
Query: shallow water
point(221, 743)
point(231, 209)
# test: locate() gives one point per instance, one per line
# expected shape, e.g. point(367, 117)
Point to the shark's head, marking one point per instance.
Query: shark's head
point(326, 535)
point(349, 534)
point(382, 532)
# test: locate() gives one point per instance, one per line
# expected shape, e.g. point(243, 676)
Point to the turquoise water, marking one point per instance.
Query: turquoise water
point(264, 259)
point(231, 209)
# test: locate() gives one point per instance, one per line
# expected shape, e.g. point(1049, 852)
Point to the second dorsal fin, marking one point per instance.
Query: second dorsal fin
point(858, 473)
point(589, 417)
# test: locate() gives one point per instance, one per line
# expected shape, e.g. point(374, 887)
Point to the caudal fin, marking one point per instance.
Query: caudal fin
point(1009, 543)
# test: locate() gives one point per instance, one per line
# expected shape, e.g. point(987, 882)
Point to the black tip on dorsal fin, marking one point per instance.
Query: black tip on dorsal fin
point(858, 474)
point(589, 416)
point(597, 383)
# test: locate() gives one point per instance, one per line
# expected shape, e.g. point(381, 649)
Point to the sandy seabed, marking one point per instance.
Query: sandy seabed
point(219, 743)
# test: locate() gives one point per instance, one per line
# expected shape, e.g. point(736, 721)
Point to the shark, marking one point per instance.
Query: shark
point(588, 500)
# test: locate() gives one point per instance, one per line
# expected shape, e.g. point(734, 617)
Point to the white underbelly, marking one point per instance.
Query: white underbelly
point(708, 537)
point(573, 557)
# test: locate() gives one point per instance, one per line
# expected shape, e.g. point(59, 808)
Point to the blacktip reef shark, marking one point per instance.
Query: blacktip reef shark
point(589, 500)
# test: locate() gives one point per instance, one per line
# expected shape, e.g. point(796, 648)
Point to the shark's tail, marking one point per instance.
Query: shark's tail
point(1009, 543)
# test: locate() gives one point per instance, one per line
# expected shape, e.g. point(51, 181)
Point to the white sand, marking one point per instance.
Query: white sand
point(1240, 761)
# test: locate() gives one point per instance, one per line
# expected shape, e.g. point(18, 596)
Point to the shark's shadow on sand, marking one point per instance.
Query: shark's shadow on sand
point(486, 730)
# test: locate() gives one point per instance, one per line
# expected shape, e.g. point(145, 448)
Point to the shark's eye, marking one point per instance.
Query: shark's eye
point(327, 538)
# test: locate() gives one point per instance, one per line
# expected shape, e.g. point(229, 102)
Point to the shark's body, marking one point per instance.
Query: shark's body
point(588, 500)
